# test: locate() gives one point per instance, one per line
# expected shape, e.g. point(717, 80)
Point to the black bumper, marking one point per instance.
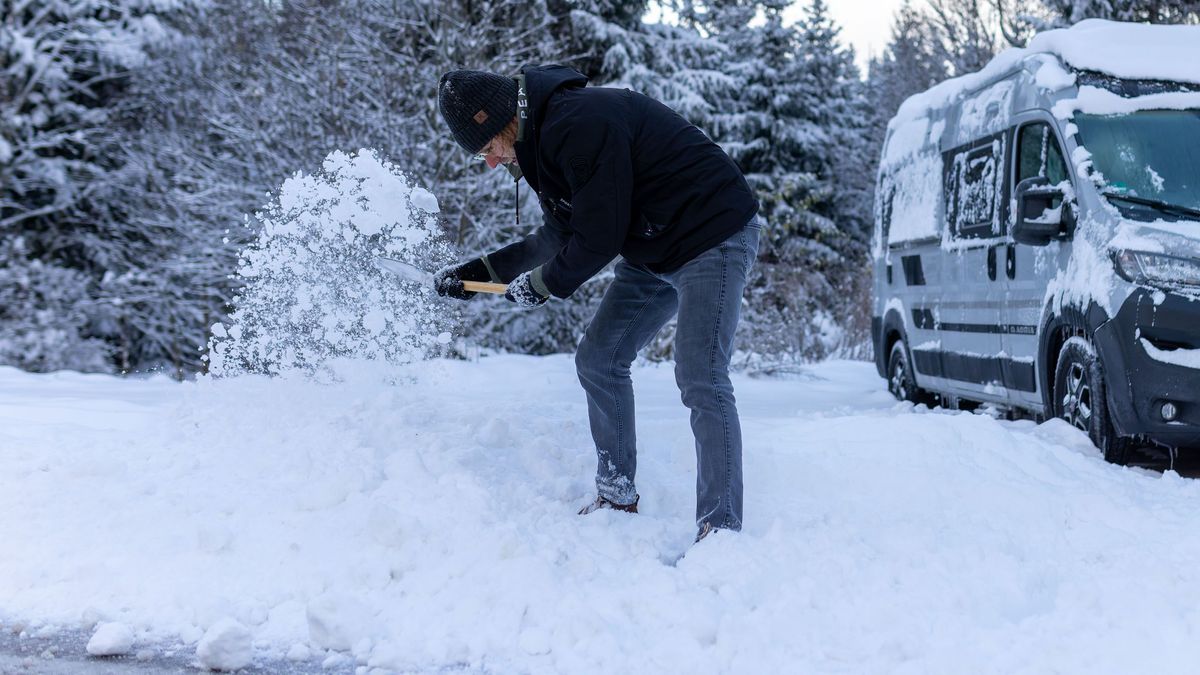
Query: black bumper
point(1138, 384)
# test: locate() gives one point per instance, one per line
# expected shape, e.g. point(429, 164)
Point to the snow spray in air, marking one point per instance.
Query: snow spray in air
point(312, 299)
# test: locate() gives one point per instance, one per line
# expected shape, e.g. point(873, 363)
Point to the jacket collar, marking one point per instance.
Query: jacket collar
point(535, 86)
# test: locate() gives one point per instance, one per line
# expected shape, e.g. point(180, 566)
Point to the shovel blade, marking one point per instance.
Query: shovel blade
point(405, 271)
point(416, 274)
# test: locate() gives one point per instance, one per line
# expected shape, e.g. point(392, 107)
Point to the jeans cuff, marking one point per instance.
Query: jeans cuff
point(618, 490)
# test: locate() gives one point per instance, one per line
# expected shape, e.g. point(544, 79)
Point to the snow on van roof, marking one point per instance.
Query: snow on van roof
point(1125, 50)
point(1133, 51)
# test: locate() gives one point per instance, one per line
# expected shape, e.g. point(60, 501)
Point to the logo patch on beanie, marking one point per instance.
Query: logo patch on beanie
point(480, 117)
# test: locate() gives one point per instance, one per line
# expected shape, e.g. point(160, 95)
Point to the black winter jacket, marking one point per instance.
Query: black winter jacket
point(617, 173)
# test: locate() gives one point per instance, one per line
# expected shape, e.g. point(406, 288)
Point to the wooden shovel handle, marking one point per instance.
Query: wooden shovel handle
point(484, 287)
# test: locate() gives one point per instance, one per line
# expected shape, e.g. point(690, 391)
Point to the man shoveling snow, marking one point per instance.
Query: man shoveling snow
point(620, 174)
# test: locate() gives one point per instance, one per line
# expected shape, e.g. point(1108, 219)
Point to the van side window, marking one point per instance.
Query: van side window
point(974, 181)
point(1038, 154)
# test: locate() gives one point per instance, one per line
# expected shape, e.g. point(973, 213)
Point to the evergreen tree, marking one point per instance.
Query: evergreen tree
point(610, 42)
point(796, 127)
point(64, 65)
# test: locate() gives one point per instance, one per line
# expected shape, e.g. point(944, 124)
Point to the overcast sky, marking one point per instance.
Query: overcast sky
point(866, 24)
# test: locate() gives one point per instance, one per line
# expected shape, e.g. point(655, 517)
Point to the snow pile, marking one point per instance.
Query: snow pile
point(225, 646)
point(432, 527)
point(111, 639)
point(1052, 77)
point(314, 296)
point(337, 622)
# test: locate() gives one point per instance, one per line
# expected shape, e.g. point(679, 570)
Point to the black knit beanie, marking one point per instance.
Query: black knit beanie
point(476, 105)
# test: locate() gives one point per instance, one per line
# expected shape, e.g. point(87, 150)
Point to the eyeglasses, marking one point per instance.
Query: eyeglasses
point(487, 150)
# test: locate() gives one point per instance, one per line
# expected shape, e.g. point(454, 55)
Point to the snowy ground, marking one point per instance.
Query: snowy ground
point(431, 525)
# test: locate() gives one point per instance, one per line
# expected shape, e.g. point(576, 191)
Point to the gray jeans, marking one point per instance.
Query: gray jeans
point(707, 295)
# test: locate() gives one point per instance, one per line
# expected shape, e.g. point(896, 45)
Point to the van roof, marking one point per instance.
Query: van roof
point(1123, 50)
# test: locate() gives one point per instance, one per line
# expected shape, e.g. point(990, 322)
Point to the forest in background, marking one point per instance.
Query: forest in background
point(138, 137)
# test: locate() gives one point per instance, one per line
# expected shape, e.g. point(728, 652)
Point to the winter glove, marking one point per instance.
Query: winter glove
point(522, 292)
point(448, 280)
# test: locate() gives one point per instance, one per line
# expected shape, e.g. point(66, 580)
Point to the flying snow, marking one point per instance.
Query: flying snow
point(313, 298)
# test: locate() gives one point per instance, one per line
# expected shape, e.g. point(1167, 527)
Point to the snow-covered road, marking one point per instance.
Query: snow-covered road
point(432, 524)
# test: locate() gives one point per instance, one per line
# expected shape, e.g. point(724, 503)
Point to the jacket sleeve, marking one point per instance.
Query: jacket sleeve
point(542, 245)
point(595, 158)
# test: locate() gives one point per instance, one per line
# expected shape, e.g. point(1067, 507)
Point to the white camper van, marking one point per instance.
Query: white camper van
point(1037, 236)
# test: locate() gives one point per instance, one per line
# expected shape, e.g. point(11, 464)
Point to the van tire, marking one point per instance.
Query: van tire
point(1080, 398)
point(900, 379)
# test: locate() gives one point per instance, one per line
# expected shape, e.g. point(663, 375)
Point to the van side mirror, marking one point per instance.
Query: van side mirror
point(1042, 213)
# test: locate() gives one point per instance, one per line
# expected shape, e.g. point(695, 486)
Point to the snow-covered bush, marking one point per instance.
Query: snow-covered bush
point(46, 317)
point(313, 294)
point(65, 69)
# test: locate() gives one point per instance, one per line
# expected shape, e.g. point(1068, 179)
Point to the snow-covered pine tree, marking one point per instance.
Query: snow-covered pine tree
point(796, 128)
point(614, 45)
point(63, 65)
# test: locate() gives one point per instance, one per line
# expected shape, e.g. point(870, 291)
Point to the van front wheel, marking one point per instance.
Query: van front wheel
point(901, 382)
point(1080, 398)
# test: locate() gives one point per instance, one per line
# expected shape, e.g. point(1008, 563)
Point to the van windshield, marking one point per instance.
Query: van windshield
point(1150, 161)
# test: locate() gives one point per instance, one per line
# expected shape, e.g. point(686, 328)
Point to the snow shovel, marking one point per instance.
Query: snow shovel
point(413, 273)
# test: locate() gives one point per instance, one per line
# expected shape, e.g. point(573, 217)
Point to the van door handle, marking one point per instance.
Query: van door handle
point(1010, 261)
point(991, 262)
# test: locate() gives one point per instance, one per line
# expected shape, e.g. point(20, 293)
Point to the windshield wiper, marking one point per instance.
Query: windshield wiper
point(1160, 205)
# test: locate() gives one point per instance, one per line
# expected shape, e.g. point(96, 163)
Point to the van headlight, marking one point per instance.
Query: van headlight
point(1157, 269)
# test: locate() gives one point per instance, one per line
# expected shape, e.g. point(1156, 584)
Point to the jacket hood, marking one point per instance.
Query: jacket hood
point(540, 84)
point(542, 81)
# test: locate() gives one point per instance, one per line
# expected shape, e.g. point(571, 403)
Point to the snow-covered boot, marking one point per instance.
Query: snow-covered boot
point(705, 530)
point(602, 503)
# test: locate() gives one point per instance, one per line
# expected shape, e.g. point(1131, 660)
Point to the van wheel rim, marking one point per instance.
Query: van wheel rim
point(899, 380)
point(1077, 400)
